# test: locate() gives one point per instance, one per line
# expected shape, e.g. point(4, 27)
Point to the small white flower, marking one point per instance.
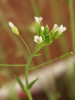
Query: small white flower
point(38, 19)
point(11, 24)
point(42, 28)
point(55, 27)
point(38, 39)
point(61, 29)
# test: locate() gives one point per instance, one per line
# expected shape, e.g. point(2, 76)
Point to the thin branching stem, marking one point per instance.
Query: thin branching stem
point(72, 22)
point(26, 72)
point(51, 61)
point(12, 65)
point(25, 44)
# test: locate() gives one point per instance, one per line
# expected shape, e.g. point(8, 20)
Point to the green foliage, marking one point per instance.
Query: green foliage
point(32, 83)
point(21, 84)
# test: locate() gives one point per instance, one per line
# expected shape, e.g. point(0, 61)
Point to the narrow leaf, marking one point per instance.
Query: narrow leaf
point(21, 84)
point(32, 83)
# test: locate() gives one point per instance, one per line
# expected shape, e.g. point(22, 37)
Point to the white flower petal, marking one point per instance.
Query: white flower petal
point(64, 28)
point(11, 24)
point(42, 28)
point(38, 39)
point(55, 27)
point(38, 19)
point(61, 29)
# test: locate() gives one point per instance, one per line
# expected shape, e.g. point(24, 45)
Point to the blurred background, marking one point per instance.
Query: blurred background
point(56, 80)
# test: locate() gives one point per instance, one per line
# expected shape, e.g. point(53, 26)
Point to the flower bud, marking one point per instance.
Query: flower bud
point(13, 28)
point(46, 29)
point(58, 34)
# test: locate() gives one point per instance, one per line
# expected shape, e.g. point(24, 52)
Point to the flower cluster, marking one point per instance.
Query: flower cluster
point(44, 36)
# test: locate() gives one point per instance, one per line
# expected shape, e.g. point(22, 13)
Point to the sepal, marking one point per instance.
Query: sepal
point(15, 30)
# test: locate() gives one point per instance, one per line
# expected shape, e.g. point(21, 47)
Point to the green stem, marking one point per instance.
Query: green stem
point(12, 65)
point(35, 8)
point(29, 95)
point(28, 63)
point(51, 61)
point(25, 44)
point(71, 10)
point(26, 71)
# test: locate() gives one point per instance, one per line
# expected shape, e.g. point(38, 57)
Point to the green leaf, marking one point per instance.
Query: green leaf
point(21, 84)
point(32, 83)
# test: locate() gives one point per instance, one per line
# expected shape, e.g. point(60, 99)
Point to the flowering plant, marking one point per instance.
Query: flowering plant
point(43, 38)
